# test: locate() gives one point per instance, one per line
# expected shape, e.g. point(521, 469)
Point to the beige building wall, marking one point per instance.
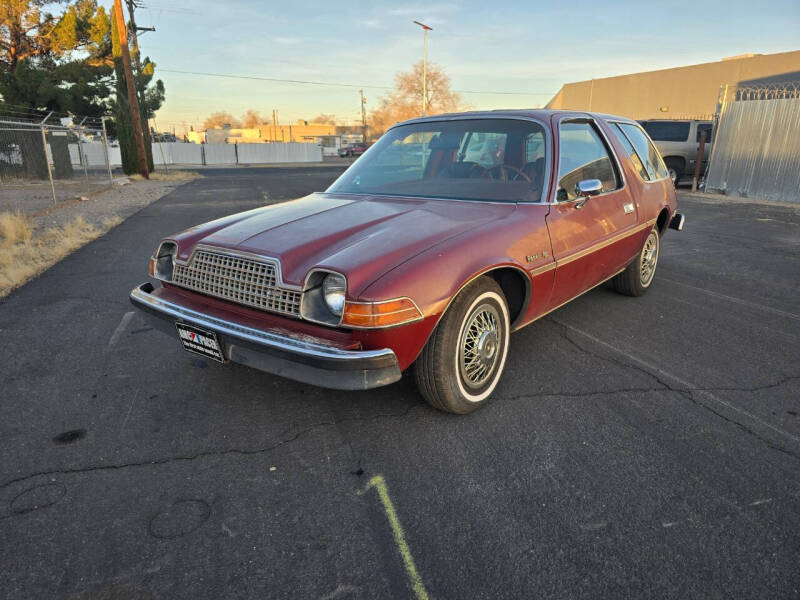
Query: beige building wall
point(299, 132)
point(682, 92)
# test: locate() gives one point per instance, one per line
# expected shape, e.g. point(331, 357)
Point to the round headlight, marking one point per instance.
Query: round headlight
point(333, 290)
point(165, 260)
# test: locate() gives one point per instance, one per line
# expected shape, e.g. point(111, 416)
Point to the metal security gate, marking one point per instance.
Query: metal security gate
point(756, 150)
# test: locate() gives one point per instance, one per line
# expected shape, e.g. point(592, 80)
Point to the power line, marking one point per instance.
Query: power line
point(333, 84)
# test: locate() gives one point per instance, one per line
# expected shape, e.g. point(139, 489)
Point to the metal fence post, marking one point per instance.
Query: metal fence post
point(105, 148)
point(715, 125)
point(163, 156)
point(82, 154)
point(47, 160)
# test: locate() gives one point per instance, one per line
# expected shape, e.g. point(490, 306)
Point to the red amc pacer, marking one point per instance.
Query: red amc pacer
point(448, 234)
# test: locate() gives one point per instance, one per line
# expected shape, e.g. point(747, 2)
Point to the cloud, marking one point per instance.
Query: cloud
point(287, 40)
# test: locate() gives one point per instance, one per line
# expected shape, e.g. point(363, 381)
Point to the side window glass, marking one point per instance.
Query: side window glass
point(534, 147)
point(582, 155)
point(486, 149)
point(635, 159)
point(646, 151)
point(668, 131)
point(701, 127)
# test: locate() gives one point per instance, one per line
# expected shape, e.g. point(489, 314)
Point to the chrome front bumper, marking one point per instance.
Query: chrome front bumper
point(302, 360)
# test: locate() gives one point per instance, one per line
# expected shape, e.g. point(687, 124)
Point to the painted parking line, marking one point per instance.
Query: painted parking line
point(695, 389)
point(126, 318)
point(379, 484)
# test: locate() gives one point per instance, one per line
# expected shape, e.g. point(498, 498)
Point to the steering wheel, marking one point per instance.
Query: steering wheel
point(502, 173)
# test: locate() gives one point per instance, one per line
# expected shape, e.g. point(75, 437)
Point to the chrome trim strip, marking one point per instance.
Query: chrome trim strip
point(543, 269)
point(605, 243)
point(344, 359)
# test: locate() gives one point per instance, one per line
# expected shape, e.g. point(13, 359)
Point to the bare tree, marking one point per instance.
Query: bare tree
point(220, 118)
point(252, 119)
point(405, 100)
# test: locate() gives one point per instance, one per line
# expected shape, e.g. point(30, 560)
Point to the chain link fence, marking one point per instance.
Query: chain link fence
point(756, 151)
point(42, 163)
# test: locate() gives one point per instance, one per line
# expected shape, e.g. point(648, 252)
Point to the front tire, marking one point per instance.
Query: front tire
point(462, 362)
point(635, 280)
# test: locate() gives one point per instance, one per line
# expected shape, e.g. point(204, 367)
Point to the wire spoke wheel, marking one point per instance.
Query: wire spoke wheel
point(649, 259)
point(479, 345)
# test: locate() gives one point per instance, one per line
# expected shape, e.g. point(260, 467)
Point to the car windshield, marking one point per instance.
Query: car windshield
point(494, 160)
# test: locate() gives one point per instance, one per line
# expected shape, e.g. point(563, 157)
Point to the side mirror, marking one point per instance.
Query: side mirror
point(586, 189)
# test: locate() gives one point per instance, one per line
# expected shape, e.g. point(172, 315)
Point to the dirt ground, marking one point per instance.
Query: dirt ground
point(33, 240)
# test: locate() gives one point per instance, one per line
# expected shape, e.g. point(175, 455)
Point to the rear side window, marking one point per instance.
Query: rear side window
point(646, 151)
point(582, 155)
point(701, 127)
point(667, 131)
point(635, 159)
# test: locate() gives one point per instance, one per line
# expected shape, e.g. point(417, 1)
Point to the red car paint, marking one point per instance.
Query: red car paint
point(389, 247)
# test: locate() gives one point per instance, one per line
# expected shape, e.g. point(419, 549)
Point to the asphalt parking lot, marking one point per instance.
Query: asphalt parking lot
point(635, 448)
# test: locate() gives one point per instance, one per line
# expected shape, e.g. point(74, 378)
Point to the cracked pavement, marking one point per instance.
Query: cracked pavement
point(635, 448)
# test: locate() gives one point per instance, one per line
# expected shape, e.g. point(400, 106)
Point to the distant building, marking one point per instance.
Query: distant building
point(301, 131)
point(679, 93)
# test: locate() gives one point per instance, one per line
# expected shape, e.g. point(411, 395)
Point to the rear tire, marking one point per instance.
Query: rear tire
point(635, 280)
point(462, 362)
point(675, 168)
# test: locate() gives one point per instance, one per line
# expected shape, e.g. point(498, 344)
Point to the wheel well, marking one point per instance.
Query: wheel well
point(681, 162)
point(663, 221)
point(515, 288)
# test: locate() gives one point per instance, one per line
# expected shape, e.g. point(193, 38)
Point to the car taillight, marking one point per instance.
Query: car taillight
point(380, 314)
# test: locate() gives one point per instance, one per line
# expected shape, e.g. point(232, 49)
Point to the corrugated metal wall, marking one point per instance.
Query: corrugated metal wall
point(757, 144)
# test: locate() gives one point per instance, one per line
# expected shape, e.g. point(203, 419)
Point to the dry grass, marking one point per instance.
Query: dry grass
point(14, 229)
point(31, 254)
point(160, 175)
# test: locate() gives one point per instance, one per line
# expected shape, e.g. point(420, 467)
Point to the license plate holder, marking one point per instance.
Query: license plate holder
point(200, 341)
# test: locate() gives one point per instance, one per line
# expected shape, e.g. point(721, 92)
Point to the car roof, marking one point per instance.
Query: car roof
point(542, 114)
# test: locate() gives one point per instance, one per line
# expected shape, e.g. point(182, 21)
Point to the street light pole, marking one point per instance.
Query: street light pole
point(425, 30)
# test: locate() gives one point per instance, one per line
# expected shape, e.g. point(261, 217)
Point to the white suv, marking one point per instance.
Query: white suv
point(678, 142)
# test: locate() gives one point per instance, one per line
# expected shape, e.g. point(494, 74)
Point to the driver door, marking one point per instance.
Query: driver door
point(587, 233)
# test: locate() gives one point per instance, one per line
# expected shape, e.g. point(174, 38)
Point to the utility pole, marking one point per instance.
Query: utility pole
point(133, 100)
point(425, 30)
point(363, 117)
point(135, 39)
point(274, 125)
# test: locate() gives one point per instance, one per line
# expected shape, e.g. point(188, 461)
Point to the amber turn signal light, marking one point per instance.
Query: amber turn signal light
point(380, 314)
point(152, 268)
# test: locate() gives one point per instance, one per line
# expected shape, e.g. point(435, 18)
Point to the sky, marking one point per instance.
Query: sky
point(527, 48)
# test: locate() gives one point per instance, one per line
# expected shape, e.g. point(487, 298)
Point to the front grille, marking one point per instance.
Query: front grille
point(241, 280)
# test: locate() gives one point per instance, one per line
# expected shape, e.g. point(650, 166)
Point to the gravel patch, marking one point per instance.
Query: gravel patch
point(116, 204)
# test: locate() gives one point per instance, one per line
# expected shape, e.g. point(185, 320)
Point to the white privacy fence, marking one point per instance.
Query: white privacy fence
point(178, 153)
point(756, 150)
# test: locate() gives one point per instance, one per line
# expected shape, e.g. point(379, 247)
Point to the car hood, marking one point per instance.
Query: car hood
point(362, 237)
